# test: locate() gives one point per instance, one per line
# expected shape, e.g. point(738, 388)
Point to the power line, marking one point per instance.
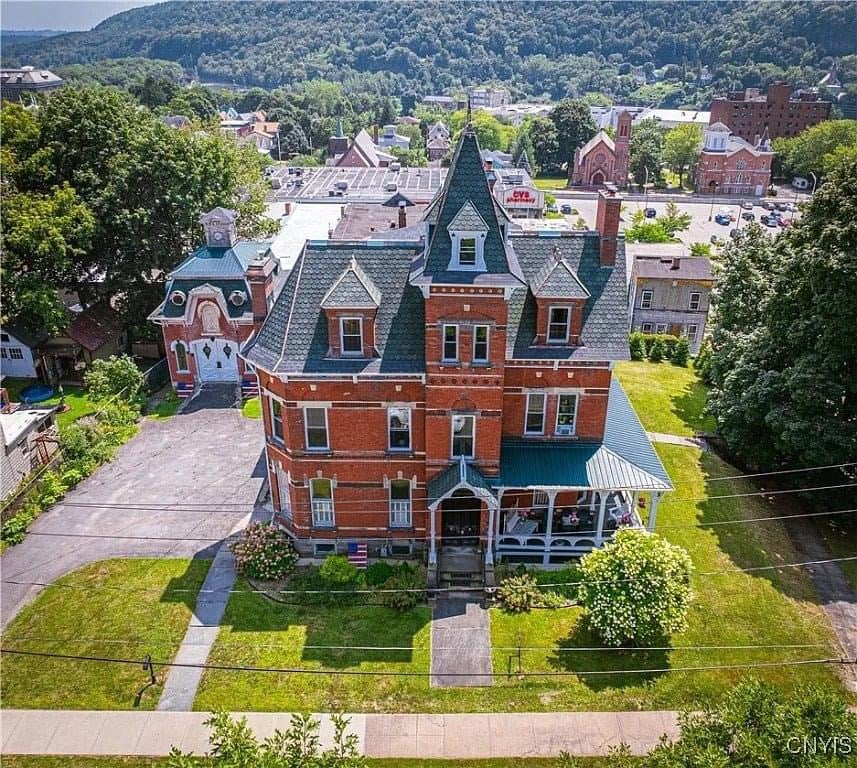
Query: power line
point(781, 472)
point(381, 591)
point(387, 673)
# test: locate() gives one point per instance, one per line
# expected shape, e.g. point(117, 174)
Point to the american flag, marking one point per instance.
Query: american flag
point(357, 554)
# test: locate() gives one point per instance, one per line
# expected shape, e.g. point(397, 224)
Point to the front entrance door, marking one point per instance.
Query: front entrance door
point(217, 360)
point(461, 517)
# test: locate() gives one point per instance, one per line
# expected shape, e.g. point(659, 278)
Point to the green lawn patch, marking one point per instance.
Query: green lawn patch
point(252, 408)
point(667, 398)
point(549, 183)
point(76, 398)
point(124, 625)
point(163, 404)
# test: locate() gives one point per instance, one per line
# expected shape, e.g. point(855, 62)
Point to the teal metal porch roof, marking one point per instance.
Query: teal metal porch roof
point(458, 475)
point(625, 460)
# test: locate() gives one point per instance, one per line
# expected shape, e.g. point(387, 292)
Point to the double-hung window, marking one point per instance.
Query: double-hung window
point(321, 493)
point(559, 322)
point(534, 423)
point(467, 252)
point(181, 356)
point(694, 300)
point(480, 343)
point(647, 327)
point(351, 334)
point(399, 428)
point(566, 414)
point(661, 328)
point(315, 421)
point(646, 299)
point(450, 343)
point(463, 436)
point(283, 491)
point(16, 353)
point(400, 503)
point(276, 410)
point(691, 331)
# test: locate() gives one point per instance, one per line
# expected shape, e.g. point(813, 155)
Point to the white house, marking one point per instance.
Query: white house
point(29, 440)
point(17, 351)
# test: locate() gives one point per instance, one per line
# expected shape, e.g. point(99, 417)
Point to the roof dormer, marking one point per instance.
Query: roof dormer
point(351, 305)
point(467, 231)
point(220, 227)
point(560, 301)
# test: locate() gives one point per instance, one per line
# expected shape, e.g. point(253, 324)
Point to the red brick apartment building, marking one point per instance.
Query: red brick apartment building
point(748, 113)
point(455, 394)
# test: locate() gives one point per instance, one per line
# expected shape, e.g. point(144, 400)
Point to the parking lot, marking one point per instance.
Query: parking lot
point(362, 184)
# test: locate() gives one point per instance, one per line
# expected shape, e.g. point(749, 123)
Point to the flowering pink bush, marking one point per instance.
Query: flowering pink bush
point(264, 552)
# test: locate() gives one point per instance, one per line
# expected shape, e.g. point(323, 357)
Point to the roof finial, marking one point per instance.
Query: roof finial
point(556, 254)
point(468, 127)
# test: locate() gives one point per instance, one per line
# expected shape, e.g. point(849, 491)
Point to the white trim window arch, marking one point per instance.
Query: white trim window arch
point(559, 324)
point(321, 501)
point(351, 336)
point(400, 503)
point(181, 350)
point(209, 315)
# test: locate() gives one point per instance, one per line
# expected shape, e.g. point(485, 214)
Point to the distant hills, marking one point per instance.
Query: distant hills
point(551, 48)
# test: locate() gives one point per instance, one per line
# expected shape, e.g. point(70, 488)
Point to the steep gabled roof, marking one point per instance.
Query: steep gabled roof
point(468, 219)
point(557, 280)
point(598, 138)
point(353, 290)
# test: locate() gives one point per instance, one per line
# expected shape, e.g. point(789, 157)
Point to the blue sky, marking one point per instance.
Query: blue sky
point(61, 14)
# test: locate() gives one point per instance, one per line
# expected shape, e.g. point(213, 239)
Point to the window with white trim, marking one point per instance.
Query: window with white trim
point(400, 503)
point(315, 423)
point(559, 325)
point(283, 490)
point(399, 427)
point(647, 327)
point(694, 300)
point(16, 353)
point(534, 420)
point(321, 495)
point(480, 343)
point(566, 414)
point(181, 357)
point(467, 252)
point(3, 353)
point(351, 335)
point(463, 436)
point(646, 298)
point(276, 409)
point(692, 330)
point(662, 328)
point(450, 343)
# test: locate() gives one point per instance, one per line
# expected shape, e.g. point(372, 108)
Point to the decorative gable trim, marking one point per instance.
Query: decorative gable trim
point(353, 289)
point(467, 218)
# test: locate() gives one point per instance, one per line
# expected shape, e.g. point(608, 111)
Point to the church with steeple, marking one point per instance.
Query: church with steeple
point(451, 400)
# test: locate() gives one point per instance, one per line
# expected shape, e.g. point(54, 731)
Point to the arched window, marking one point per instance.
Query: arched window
point(181, 356)
point(741, 165)
point(210, 316)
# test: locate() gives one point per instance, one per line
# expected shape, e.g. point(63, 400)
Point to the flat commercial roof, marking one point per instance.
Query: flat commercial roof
point(365, 185)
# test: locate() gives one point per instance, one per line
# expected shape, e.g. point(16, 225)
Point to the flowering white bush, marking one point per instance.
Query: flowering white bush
point(264, 552)
point(636, 589)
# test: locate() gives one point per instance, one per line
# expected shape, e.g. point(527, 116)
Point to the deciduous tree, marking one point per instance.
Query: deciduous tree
point(681, 148)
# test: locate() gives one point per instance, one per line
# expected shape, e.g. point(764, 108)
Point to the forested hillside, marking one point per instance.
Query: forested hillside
point(555, 49)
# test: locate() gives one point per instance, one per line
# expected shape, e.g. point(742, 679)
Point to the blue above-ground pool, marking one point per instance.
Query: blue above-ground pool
point(36, 393)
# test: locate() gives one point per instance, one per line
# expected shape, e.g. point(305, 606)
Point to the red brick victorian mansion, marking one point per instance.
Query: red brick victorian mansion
point(455, 393)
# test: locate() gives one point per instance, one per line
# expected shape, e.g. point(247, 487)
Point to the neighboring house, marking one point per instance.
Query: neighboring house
point(215, 300)
point(96, 332)
point(444, 102)
point(389, 139)
point(455, 394)
point(179, 122)
point(362, 153)
point(729, 165)
point(488, 98)
point(602, 160)
point(30, 439)
point(439, 130)
point(669, 292)
point(363, 220)
point(18, 83)
point(496, 158)
point(437, 148)
point(18, 351)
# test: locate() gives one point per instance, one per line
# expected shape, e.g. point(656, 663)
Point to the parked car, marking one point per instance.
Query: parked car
point(785, 223)
point(734, 232)
point(781, 206)
point(723, 218)
point(747, 205)
point(716, 240)
point(566, 208)
point(768, 205)
point(651, 213)
point(769, 221)
point(552, 208)
point(748, 216)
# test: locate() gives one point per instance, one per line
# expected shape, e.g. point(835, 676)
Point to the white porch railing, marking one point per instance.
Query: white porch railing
point(322, 513)
point(400, 514)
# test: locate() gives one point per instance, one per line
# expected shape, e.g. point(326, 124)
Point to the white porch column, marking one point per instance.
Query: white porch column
point(489, 549)
point(549, 528)
point(653, 511)
point(432, 542)
point(602, 512)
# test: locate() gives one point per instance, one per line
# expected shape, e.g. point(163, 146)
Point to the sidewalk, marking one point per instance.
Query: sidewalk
point(70, 732)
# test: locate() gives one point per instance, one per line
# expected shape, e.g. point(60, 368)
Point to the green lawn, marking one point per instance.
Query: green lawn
point(667, 398)
point(76, 399)
point(100, 622)
point(550, 183)
point(252, 408)
point(164, 404)
point(21, 761)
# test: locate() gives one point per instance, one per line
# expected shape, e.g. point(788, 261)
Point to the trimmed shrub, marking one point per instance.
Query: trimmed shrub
point(681, 353)
point(264, 552)
point(337, 572)
point(518, 594)
point(656, 353)
point(378, 573)
point(404, 578)
point(637, 346)
point(113, 377)
point(636, 590)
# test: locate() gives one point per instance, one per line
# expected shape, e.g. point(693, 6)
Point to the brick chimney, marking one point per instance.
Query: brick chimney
point(403, 215)
point(607, 224)
point(260, 277)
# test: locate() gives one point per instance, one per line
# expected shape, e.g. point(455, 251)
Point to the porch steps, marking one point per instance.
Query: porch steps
point(462, 568)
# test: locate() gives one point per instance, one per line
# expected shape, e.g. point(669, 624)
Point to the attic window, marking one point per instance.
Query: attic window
point(467, 252)
point(237, 298)
point(178, 298)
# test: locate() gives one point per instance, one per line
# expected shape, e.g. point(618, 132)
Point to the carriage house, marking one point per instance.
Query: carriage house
point(454, 395)
point(215, 300)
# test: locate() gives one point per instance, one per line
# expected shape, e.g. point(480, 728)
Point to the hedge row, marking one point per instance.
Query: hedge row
point(659, 346)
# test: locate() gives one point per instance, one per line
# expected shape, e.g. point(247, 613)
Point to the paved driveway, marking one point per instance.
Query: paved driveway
point(194, 475)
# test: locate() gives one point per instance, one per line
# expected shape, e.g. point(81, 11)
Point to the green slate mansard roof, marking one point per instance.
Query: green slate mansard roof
point(388, 274)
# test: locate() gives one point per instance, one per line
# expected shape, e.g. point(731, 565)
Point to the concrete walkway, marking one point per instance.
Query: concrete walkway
point(460, 644)
point(63, 732)
point(687, 442)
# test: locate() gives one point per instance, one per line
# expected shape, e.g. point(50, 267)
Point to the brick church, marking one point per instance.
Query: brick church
point(454, 395)
point(603, 160)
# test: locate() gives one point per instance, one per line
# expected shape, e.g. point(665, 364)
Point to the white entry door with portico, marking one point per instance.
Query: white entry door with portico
point(216, 359)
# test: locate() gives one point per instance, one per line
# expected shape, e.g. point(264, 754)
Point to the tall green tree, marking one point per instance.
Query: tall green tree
point(810, 151)
point(647, 151)
point(574, 127)
point(542, 132)
point(681, 148)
